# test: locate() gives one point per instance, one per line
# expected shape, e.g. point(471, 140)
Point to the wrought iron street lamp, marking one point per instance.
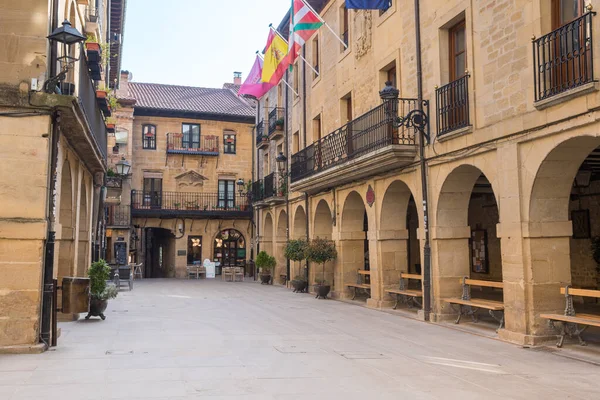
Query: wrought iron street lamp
point(415, 118)
point(68, 37)
point(281, 163)
point(241, 186)
point(123, 167)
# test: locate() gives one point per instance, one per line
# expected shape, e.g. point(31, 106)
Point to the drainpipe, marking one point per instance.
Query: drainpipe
point(287, 169)
point(307, 211)
point(426, 247)
point(48, 272)
point(257, 174)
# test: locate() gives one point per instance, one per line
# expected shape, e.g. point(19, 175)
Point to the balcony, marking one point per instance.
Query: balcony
point(452, 101)
point(270, 190)
point(113, 182)
point(181, 204)
point(563, 59)
point(179, 143)
point(258, 191)
point(262, 140)
point(91, 19)
point(370, 144)
point(118, 216)
point(276, 123)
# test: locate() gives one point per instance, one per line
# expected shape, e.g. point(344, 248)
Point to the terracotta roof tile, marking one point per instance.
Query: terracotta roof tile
point(189, 99)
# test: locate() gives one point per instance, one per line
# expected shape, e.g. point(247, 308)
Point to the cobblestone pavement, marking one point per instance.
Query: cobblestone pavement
point(172, 339)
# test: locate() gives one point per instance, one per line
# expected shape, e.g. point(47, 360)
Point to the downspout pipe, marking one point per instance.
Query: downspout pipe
point(307, 211)
point(424, 185)
point(48, 269)
point(287, 169)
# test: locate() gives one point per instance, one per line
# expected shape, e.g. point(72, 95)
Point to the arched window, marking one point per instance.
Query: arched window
point(149, 137)
point(230, 248)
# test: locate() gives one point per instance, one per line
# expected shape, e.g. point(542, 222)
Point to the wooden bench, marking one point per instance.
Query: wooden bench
point(570, 320)
point(360, 283)
point(408, 296)
point(469, 306)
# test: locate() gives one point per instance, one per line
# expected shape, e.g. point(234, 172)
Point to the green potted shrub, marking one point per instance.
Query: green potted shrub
point(321, 251)
point(295, 250)
point(100, 292)
point(279, 124)
point(266, 263)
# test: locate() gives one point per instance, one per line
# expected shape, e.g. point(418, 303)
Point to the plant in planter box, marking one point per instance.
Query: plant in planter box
point(321, 251)
point(100, 292)
point(266, 263)
point(295, 250)
point(111, 124)
point(279, 124)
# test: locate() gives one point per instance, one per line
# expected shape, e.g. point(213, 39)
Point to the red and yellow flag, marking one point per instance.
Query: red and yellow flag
point(276, 59)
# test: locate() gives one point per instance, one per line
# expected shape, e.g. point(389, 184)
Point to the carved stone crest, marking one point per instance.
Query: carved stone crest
point(363, 24)
point(189, 179)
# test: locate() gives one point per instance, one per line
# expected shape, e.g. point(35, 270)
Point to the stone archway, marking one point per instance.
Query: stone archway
point(565, 186)
point(353, 244)
point(280, 242)
point(299, 223)
point(65, 219)
point(267, 242)
point(83, 246)
point(466, 242)
point(323, 228)
point(399, 247)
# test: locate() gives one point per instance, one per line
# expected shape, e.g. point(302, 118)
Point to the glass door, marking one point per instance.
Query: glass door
point(153, 192)
point(226, 194)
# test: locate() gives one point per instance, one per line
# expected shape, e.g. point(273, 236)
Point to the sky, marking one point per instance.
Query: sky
point(196, 42)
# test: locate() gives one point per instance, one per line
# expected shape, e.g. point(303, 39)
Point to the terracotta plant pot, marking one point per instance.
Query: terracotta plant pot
point(322, 291)
point(101, 94)
point(92, 46)
point(97, 308)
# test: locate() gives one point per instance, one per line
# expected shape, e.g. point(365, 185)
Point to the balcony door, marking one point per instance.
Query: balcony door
point(226, 194)
point(571, 60)
point(191, 136)
point(152, 192)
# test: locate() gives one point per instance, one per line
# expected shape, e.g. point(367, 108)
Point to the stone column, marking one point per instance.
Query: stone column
point(392, 253)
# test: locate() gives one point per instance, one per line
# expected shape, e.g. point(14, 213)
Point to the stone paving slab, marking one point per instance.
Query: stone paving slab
point(173, 339)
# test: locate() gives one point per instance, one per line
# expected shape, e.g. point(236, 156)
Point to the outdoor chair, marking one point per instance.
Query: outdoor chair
point(238, 272)
point(228, 274)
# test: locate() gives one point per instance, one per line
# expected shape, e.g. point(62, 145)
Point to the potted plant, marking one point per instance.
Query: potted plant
point(295, 250)
point(279, 124)
point(177, 205)
point(266, 263)
point(93, 49)
point(321, 251)
point(100, 292)
point(111, 124)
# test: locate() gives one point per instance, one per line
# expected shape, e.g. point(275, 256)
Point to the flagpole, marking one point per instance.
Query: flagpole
point(299, 55)
point(282, 80)
point(324, 23)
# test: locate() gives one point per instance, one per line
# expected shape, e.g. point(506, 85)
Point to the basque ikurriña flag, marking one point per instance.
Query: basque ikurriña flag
point(368, 4)
point(303, 24)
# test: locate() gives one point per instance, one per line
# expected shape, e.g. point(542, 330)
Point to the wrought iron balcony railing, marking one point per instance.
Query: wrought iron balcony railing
point(182, 143)
point(452, 102)
point(118, 216)
point(371, 131)
point(564, 58)
point(275, 186)
point(276, 114)
point(87, 100)
point(261, 137)
point(188, 203)
point(258, 191)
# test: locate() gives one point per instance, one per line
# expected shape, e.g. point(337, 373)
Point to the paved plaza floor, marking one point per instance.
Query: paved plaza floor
point(174, 339)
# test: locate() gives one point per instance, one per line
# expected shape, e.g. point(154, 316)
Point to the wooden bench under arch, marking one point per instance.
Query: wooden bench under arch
point(570, 320)
point(470, 306)
point(360, 283)
point(408, 296)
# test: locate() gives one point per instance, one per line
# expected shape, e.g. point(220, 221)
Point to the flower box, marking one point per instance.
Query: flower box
point(94, 52)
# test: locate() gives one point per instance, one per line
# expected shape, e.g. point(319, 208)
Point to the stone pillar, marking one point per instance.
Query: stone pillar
point(350, 260)
point(392, 253)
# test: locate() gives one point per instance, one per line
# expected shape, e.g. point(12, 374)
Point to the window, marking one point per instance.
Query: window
point(296, 79)
point(191, 136)
point(346, 108)
point(389, 5)
point(152, 192)
point(194, 251)
point(229, 140)
point(317, 128)
point(280, 95)
point(391, 76)
point(345, 27)
point(565, 11)
point(296, 142)
point(266, 169)
point(458, 51)
point(315, 56)
point(149, 137)
point(226, 194)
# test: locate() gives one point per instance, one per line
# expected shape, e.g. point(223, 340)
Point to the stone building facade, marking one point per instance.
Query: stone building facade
point(188, 147)
point(511, 163)
point(53, 150)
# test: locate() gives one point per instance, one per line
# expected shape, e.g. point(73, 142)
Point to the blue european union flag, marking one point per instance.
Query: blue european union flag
point(368, 4)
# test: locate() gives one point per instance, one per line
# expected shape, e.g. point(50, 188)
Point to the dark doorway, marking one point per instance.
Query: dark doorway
point(230, 249)
point(194, 253)
point(366, 247)
point(159, 252)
